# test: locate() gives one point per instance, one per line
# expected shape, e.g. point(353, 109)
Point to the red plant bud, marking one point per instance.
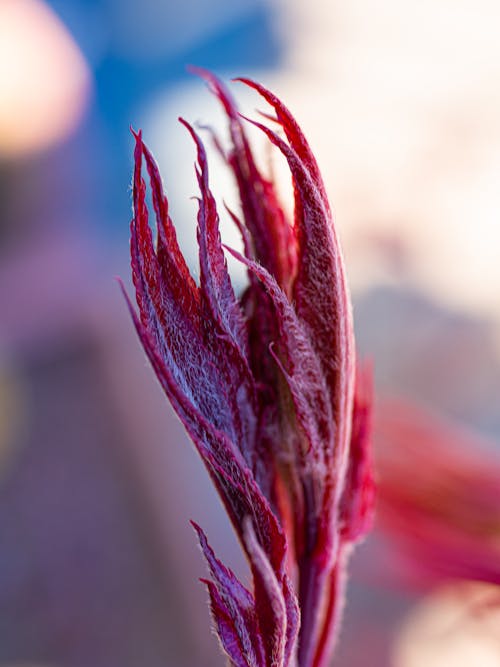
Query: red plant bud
point(265, 386)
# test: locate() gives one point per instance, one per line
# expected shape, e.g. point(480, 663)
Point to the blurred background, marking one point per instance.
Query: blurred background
point(400, 102)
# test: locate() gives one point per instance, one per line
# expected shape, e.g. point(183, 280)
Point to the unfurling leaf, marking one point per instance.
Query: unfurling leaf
point(266, 387)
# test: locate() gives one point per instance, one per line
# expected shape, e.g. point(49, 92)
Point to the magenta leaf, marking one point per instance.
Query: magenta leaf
point(230, 600)
point(264, 384)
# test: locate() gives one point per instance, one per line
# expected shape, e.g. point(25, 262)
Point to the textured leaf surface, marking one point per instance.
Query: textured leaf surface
point(264, 384)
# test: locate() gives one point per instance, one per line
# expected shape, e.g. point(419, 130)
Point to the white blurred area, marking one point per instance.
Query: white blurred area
point(400, 102)
point(456, 625)
point(44, 80)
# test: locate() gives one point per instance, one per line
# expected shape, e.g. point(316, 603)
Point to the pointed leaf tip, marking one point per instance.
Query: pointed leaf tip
point(137, 133)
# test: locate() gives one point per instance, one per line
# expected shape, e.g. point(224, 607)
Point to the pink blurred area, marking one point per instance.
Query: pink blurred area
point(98, 563)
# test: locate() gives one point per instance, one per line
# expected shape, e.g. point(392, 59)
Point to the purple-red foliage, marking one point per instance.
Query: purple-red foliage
point(439, 496)
point(266, 386)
